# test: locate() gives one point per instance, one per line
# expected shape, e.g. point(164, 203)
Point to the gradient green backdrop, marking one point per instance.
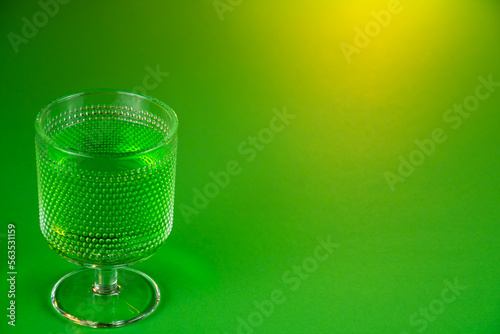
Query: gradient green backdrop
point(323, 175)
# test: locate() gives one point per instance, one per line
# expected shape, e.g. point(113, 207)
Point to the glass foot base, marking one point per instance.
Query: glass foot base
point(137, 296)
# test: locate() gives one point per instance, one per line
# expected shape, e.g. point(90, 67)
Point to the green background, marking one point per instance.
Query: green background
point(323, 175)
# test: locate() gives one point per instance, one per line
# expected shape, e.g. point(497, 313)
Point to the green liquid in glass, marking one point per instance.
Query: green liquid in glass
point(112, 203)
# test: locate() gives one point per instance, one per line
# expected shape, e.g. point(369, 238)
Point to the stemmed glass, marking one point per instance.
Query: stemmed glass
point(106, 170)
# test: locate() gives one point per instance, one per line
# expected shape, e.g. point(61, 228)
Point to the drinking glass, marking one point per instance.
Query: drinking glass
point(106, 168)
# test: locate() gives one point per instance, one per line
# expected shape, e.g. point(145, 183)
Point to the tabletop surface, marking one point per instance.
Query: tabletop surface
point(359, 143)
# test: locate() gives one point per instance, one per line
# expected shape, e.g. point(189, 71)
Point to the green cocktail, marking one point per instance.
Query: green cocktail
point(106, 170)
point(107, 209)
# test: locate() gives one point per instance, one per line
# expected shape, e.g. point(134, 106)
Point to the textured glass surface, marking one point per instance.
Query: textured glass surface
point(106, 183)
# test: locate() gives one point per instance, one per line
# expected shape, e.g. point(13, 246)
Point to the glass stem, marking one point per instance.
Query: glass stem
point(105, 281)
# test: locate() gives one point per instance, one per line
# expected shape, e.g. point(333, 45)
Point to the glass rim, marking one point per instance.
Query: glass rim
point(165, 141)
